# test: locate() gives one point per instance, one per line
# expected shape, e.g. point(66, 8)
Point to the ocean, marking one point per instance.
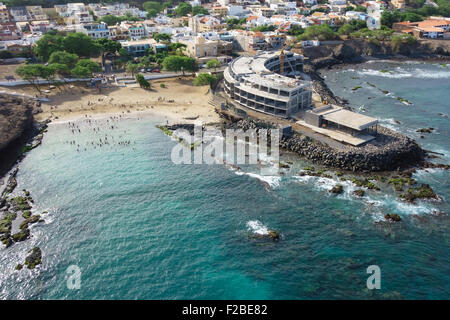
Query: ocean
point(138, 226)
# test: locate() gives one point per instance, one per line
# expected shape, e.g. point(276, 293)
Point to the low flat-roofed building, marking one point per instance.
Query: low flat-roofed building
point(341, 124)
point(139, 47)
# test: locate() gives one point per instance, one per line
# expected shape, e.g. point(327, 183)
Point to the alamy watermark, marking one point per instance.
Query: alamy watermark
point(73, 281)
point(374, 280)
point(237, 147)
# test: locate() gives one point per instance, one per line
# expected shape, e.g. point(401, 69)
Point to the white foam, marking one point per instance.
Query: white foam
point(272, 181)
point(401, 73)
point(257, 227)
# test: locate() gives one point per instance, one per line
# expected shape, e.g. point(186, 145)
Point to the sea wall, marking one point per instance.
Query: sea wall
point(390, 151)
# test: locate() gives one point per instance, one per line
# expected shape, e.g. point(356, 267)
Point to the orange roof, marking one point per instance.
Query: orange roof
point(252, 18)
point(431, 29)
point(433, 23)
point(318, 14)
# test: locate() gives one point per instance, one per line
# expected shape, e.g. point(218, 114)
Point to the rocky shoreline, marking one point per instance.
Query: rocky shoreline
point(390, 151)
point(19, 132)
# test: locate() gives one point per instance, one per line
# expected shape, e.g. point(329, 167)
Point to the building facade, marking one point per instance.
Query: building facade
point(256, 83)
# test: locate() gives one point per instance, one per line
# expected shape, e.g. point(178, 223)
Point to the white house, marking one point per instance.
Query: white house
point(94, 30)
point(236, 10)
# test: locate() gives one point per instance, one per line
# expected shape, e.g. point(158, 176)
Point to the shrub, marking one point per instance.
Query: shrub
point(203, 79)
point(142, 82)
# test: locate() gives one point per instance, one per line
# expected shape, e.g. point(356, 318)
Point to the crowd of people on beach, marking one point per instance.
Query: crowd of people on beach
point(106, 133)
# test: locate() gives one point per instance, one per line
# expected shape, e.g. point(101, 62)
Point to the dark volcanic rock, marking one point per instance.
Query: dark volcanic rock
point(34, 258)
point(389, 151)
point(392, 217)
point(16, 119)
point(337, 189)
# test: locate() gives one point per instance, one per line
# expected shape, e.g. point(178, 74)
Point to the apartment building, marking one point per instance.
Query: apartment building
point(199, 47)
point(36, 13)
point(4, 14)
point(255, 83)
point(94, 30)
point(19, 14)
point(135, 30)
point(9, 31)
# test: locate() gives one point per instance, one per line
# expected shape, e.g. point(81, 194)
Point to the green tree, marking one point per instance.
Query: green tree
point(388, 18)
point(161, 37)
point(33, 72)
point(107, 47)
point(412, 17)
point(196, 10)
point(60, 69)
point(124, 55)
point(81, 44)
point(89, 64)
point(360, 9)
point(81, 72)
point(213, 63)
point(63, 57)
point(402, 39)
point(204, 78)
point(110, 20)
point(152, 5)
point(143, 83)
point(132, 68)
point(183, 9)
point(345, 29)
point(179, 63)
point(318, 32)
point(295, 30)
point(265, 28)
point(48, 44)
point(416, 3)
point(152, 13)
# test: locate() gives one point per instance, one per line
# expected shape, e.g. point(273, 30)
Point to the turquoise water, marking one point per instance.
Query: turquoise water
point(140, 227)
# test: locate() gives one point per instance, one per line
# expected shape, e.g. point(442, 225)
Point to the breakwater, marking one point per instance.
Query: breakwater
point(389, 151)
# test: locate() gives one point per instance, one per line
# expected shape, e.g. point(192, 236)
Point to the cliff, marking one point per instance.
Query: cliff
point(356, 50)
point(16, 127)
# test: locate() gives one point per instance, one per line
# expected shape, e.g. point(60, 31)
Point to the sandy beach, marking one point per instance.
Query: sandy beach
point(174, 99)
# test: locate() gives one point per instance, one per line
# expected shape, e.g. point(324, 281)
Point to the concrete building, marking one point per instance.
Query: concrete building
point(4, 14)
point(135, 31)
point(340, 124)
point(40, 26)
point(36, 13)
point(430, 28)
point(205, 24)
point(199, 47)
point(9, 31)
point(255, 83)
point(139, 47)
point(221, 11)
point(399, 4)
point(19, 14)
point(95, 30)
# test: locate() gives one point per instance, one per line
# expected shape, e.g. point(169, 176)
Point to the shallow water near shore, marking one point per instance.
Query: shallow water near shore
point(140, 227)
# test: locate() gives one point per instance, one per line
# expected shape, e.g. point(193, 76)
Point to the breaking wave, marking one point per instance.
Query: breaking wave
point(400, 73)
point(256, 227)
